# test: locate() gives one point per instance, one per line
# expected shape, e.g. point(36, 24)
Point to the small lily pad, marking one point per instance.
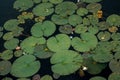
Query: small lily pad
point(25, 66)
point(66, 29)
point(81, 28)
point(6, 55)
point(82, 11)
point(97, 78)
point(46, 77)
point(103, 25)
point(93, 29)
point(115, 36)
point(8, 36)
point(91, 1)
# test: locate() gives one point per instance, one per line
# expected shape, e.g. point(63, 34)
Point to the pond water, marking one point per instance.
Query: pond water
point(7, 12)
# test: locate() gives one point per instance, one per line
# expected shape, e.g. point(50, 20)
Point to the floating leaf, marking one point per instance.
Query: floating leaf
point(25, 66)
point(42, 52)
point(46, 28)
point(6, 55)
point(82, 11)
point(18, 53)
point(59, 42)
point(86, 21)
point(23, 79)
point(36, 1)
point(94, 7)
point(5, 67)
point(11, 24)
point(8, 36)
point(46, 77)
point(22, 5)
point(93, 19)
point(44, 1)
point(74, 20)
point(7, 78)
point(113, 20)
point(97, 78)
point(114, 65)
point(43, 9)
point(115, 36)
point(81, 28)
point(59, 20)
point(103, 25)
point(90, 1)
point(93, 29)
point(56, 1)
point(28, 44)
point(87, 42)
point(113, 29)
point(66, 62)
point(114, 76)
point(11, 44)
point(66, 29)
point(117, 55)
point(104, 36)
point(65, 8)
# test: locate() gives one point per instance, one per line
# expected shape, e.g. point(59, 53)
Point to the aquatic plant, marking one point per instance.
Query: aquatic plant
point(73, 37)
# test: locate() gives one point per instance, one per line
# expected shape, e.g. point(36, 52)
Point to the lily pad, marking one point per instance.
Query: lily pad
point(115, 36)
point(56, 1)
point(94, 7)
point(97, 78)
point(11, 44)
point(90, 1)
point(114, 65)
point(82, 11)
point(7, 78)
point(22, 5)
point(46, 28)
point(93, 19)
point(104, 36)
point(65, 8)
point(25, 66)
point(1, 34)
point(66, 62)
point(18, 53)
point(103, 25)
point(74, 20)
point(117, 56)
point(6, 55)
point(66, 29)
point(87, 42)
point(37, 1)
point(114, 76)
point(86, 21)
point(28, 44)
point(93, 29)
point(46, 77)
point(43, 9)
point(113, 20)
point(81, 28)
point(8, 36)
point(5, 67)
point(11, 24)
point(59, 42)
point(59, 20)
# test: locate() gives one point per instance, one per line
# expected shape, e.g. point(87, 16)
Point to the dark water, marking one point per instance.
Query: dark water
point(7, 12)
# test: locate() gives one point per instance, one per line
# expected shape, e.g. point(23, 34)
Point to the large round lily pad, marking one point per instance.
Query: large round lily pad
point(22, 5)
point(114, 76)
point(25, 66)
point(66, 62)
point(43, 9)
point(65, 8)
point(59, 42)
point(87, 42)
point(5, 67)
point(28, 44)
point(46, 28)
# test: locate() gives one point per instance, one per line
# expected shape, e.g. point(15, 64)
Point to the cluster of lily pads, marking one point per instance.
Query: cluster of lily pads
point(70, 34)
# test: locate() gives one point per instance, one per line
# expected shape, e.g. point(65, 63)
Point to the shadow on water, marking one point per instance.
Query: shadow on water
point(7, 12)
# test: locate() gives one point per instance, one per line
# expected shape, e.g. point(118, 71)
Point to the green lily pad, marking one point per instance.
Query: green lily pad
point(81, 28)
point(28, 44)
point(87, 42)
point(25, 66)
point(86, 21)
point(56, 1)
point(93, 66)
point(94, 7)
point(17, 31)
point(104, 36)
point(114, 76)
point(93, 29)
point(37, 1)
point(67, 60)
point(113, 20)
point(117, 55)
point(18, 53)
point(74, 20)
point(59, 20)
point(22, 5)
point(42, 52)
point(91, 1)
point(66, 29)
point(7, 78)
point(11, 44)
point(66, 8)
point(97, 78)
point(82, 11)
point(103, 25)
point(6, 55)
point(43, 9)
point(44, 1)
point(115, 36)
point(23, 79)
point(5, 67)
point(11, 24)
point(59, 42)
point(46, 28)
point(114, 65)
point(46, 77)
point(8, 36)
point(93, 19)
